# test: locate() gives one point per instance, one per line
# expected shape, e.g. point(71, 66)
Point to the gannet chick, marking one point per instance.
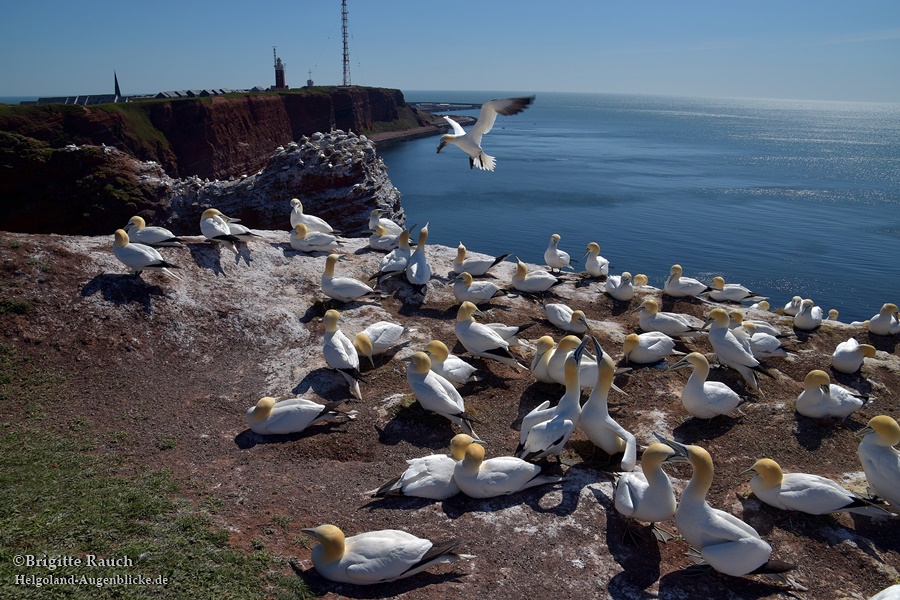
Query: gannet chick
point(312, 223)
point(886, 322)
point(304, 240)
point(499, 476)
point(545, 431)
point(833, 315)
point(595, 265)
point(437, 394)
point(849, 356)
point(214, 227)
point(138, 231)
point(620, 287)
point(340, 354)
point(481, 340)
point(470, 142)
point(725, 542)
point(342, 289)
point(595, 421)
point(474, 266)
point(728, 348)
point(540, 364)
point(378, 338)
point(763, 306)
point(140, 257)
point(466, 289)
point(382, 240)
point(376, 556)
point(673, 324)
point(648, 348)
point(640, 280)
point(731, 292)
point(450, 367)
point(566, 319)
point(682, 287)
point(880, 461)
point(396, 260)
point(376, 221)
point(802, 492)
point(763, 345)
point(705, 399)
point(793, 307)
point(276, 417)
point(418, 273)
point(430, 476)
point(647, 495)
point(533, 282)
point(821, 399)
point(809, 317)
point(554, 257)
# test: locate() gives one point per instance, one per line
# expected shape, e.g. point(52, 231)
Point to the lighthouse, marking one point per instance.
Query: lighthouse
point(279, 72)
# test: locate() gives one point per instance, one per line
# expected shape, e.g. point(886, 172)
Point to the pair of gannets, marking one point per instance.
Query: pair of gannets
point(535, 281)
point(729, 349)
point(595, 265)
point(376, 221)
point(395, 261)
point(566, 319)
point(418, 272)
point(673, 324)
point(342, 289)
point(340, 353)
point(647, 495)
point(140, 257)
point(648, 348)
point(487, 341)
point(886, 322)
point(475, 267)
point(705, 399)
point(821, 399)
point(216, 228)
point(304, 240)
point(437, 394)
point(682, 287)
point(731, 292)
point(138, 232)
point(620, 287)
point(498, 476)
point(556, 258)
point(470, 142)
point(312, 223)
point(429, 476)
point(378, 338)
point(382, 240)
point(376, 556)
point(466, 289)
point(292, 415)
point(762, 345)
point(809, 316)
point(880, 459)
point(848, 356)
point(450, 367)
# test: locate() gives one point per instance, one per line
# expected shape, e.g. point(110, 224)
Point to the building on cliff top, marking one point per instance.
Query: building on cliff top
point(116, 96)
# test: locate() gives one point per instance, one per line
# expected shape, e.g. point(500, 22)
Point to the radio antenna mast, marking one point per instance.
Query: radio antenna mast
point(346, 49)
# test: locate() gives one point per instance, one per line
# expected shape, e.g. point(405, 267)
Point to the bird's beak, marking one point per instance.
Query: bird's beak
point(825, 387)
point(586, 252)
point(478, 313)
point(681, 454)
point(407, 359)
point(678, 365)
point(309, 530)
point(864, 432)
point(441, 147)
point(597, 349)
point(580, 349)
point(706, 324)
point(749, 471)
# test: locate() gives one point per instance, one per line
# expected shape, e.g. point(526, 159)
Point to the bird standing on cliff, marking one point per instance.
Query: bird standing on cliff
point(215, 228)
point(139, 257)
point(312, 223)
point(470, 142)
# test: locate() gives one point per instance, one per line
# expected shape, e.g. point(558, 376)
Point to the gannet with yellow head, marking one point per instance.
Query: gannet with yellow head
point(340, 354)
point(304, 240)
point(731, 292)
point(151, 236)
point(556, 258)
point(886, 322)
point(450, 367)
point(382, 240)
point(474, 266)
point(376, 221)
point(378, 338)
point(566, 318)
point(540, 364)
point(640, 280)
point(437, 394)
point(342, 289)
point(762, 345)
point(214, 227)
point(620, 287)
point(647, 495)
point(729, 349)
point(429, 476)
point(793, 307)
point(737, 321)
point(466, 289)
point(705, 399)
point(587, 373)
point(481, 340)
point(312, 223)
point(849, 356)
point(534, 281)
point(880, 459)
point(809, 317)
point(821, 399)
point(595, 265)
point(418, 272)
point(682, 287)
point(140, 257)
point(648, 348)
point(292, 415)
point(470, 142)
point(395, 262)
point(499, 476)
point(673, 324)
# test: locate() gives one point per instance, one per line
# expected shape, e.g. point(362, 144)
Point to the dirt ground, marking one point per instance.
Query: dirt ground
point(161, 372)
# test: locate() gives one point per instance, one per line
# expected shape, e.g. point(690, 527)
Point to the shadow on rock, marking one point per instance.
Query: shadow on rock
point(321, 586)
point(124, 289)
point(208, 256)
point(419, 426)
point(694, 429)
point(810, 432)
point(248, 439)
point(708, 583)
point(327, 384)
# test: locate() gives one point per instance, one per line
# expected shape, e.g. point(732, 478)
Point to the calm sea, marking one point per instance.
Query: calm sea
point(786, 197)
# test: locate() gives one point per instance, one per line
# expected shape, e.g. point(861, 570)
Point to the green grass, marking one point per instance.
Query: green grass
point(14, 307)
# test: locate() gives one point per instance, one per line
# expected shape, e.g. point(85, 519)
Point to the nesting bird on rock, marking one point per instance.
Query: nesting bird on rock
point(139, 233)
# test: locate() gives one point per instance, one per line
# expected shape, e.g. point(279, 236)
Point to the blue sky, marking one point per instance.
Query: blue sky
point(817, 50)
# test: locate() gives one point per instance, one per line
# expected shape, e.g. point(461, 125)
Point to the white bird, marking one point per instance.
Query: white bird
point(763, 306)
point(429, 476)
point(880, 460)
point(640, 280)
point(533, 282)
point(809, 317)
point(620, 287)
point(139, 257)
point(673, 324)
point(889, 593)
point(275, 417)
point(481, 340)
point(545, 347)
point(802, 492)
point(705, 399)
point(728, 348)
point(595, 265)
point(342, 289)
point(725, 543)
point(376, 220)
point(682, 287)
point(499, 476)
point(340, 353)
point(376, 556)
point(821, 399)
point(239, 231)
point(450, 367)
point(587, 367)
point(793, 307)
point(304, 240)
point(763, 345)
point(150, 236)
point(474, 266)
point(378, 338)
point(470, 142)
point(382, 240)
point(418, 272)
point(556, 258)
point(466, 289)
point(214, 227)
point(312, 223)
point(833, 315)
point(886, 322)
point(395, 261)
point(566, 319)
point(647, 495)
point(737, 321)
point(849, 356)
point(437, 394)
point(648, 348)
point(731, 292)
point(595, 421)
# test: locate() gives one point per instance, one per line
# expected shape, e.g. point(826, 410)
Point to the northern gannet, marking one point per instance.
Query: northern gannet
point(481, 340)
point(886, 322)
point(437, 394)
point(556, 258)
point(382, 240)
point(470, 142)
point(809, 317)
point(587, 366)
point(533, 282)
point(705, 399)
point(880, 460)
point(673, 324)
point(429, 476)
point(239, 231)
point(340, 354)
point(376, 556)
point(737, 321)
point(499, 476)
point(821, 399)
point(466, 289)
point(793, 307)
point(848, 356)
point(396, 260)
point(763, 306)
point(566, 319)
point(648, 348)
point(140, 257)
point(312, 223)
point(731, 292)
point(647, 495)
point(450, 367)
point(214, 227)
point(540, 364)
point(342, 289)
point(474, 266)
point(640, 280)
point(378, 338)
point(418, 272)
point(150, 236)
point(833, 315)
point(763, 345)
point(376, 221)
point(728, 348)
point(682, 287)
point(595, 265)
point(620, 287)
point(274, 417)
point(304, 240)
